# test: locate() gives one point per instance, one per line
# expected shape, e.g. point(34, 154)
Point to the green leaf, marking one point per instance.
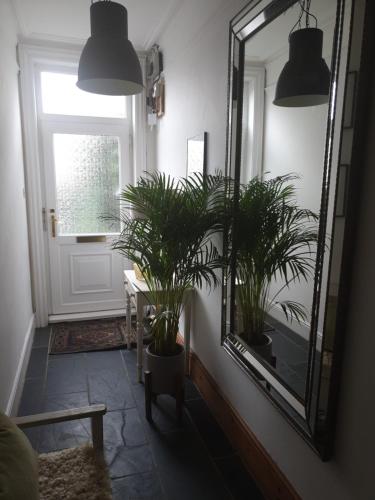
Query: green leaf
point(167, 226)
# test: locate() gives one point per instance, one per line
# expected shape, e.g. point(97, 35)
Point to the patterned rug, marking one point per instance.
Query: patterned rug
point(94, 335)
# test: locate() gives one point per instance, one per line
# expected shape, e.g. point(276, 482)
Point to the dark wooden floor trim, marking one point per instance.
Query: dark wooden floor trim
point(270, 480)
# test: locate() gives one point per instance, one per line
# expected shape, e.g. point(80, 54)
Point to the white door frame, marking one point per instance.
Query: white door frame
point(31, 57)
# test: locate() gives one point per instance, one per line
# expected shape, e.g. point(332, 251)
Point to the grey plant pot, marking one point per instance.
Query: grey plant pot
point(167, 372)
point(264, 350)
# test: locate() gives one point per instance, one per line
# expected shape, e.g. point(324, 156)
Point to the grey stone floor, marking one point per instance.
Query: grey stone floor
point(167, 460)
point(292, 355)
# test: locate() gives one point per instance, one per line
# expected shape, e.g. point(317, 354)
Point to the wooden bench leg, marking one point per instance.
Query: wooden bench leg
point(97, 432)
point(148, 395)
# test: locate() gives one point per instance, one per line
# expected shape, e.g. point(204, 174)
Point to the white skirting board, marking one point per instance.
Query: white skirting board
point(19, 379)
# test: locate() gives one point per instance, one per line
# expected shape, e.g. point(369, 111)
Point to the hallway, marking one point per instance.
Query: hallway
point(193, 460)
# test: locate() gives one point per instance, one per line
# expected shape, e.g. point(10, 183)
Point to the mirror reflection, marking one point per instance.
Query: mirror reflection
point(282, 166)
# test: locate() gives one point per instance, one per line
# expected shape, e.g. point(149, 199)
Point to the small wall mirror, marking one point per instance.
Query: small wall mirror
point(291, 165)
point(197, 154)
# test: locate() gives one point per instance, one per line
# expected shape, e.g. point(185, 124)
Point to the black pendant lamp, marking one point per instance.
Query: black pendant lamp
point(305, 78)
point(109, 64)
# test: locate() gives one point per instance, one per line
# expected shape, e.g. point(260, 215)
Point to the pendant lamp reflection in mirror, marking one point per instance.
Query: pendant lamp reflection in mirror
point(109, 64)
point(305, 78)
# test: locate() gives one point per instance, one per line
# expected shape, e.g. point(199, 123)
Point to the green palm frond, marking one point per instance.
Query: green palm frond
point(293, 309)
point(273, 239)
point(166, 230)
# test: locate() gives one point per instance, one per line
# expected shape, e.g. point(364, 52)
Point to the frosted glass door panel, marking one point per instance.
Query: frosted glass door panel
point(87, 170)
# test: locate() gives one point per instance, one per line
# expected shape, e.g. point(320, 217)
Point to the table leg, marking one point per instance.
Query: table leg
point(128, 320)
point(139, 337)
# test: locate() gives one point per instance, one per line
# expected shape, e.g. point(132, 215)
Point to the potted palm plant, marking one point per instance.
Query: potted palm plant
point(274, 241)
point(166, 231)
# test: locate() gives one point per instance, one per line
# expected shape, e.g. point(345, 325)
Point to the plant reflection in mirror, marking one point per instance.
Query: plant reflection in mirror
point(274, 239)
point(166, 229)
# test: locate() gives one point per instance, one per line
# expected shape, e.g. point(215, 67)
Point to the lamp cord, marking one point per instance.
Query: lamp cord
point(305, 10)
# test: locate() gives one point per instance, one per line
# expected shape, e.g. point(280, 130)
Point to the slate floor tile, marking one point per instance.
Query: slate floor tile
point(123, 428)
point(170, 447)
point(165, 460)
point(139, 486)
point(62, 435)
point(191, 392)
point(58, 402)
point(65, 434)
point(42, 337)
point(185, 468)
point(112, 388)
point(211, 433)
point(73, 359)
point(38, 362)
point(104, 360)
point(163, 413)
point(66, 373)
point(297, 384)
point(287, 350)
point(123, 461)
point(32, 397)
point(300, 369)
point(55, 402)
point(237, 479)
point(283, 369)
point(283, 330)
point(189, 482)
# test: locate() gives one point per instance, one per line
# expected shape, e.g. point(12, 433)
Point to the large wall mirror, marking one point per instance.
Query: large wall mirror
point(292, 96)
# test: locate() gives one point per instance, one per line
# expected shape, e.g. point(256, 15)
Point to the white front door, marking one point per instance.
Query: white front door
point(86, 166)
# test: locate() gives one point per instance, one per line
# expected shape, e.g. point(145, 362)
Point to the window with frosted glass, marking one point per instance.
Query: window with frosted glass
point(87, 182)
point(61, 96)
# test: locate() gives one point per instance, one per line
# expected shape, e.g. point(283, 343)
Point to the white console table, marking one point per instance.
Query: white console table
point(136, 292)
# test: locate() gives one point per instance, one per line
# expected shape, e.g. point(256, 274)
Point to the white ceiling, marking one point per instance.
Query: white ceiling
point(68, 20)
point(273, 39)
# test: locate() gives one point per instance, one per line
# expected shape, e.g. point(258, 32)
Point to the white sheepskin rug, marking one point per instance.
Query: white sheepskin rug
point(73, 474)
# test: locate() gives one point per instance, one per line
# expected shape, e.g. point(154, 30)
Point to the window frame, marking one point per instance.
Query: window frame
point(72, 69)
point(255, 75)
point(50, 123)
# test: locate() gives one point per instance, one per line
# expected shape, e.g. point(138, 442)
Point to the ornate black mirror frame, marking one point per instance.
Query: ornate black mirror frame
point(314, 416)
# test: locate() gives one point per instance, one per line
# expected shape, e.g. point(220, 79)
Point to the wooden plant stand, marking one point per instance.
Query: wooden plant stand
point(150, 396)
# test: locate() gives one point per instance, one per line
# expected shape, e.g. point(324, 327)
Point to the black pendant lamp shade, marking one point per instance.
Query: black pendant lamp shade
point(305, 78)
point(109, 64)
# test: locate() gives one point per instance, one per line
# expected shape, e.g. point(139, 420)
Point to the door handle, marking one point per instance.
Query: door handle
point(53, 222)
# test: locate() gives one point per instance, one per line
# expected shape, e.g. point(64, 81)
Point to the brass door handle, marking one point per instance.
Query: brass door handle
point(53, 222)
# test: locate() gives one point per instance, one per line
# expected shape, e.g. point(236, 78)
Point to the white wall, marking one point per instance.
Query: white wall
point(294, 142)
point(15, 296)
point(195, 48)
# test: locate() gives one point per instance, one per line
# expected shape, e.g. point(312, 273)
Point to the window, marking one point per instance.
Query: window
point(85, 149)
point(61, 96)
point(252, 121)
